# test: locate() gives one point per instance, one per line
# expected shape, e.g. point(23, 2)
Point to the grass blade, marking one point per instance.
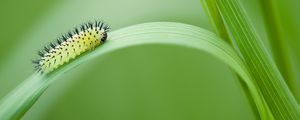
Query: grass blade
point(259, 63)
point(16, 103)
point(278, 42)
point(214, 17)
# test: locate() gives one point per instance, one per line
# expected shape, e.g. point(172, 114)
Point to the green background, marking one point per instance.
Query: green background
point(151, 82)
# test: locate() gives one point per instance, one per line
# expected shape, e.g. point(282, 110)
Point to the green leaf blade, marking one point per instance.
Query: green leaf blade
point(259, 63)
point(148, 33)
point(279, 43)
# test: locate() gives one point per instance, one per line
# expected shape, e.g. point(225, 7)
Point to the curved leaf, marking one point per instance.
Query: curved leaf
point(14, 105)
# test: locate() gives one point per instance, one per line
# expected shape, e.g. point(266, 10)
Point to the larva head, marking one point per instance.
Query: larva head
point(104, 33)
point(85, 38)
point(104, 36)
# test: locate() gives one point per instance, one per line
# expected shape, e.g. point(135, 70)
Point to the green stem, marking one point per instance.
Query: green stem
point(22, 98)
point(278, 43)
point(279, 98)
point(15, 104)
point(212, 12)
point(219, 26)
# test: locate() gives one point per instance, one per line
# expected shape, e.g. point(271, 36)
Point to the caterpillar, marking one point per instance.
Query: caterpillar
point(70, 45)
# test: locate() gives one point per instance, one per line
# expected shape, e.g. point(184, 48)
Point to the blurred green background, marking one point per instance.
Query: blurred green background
point(150, 82)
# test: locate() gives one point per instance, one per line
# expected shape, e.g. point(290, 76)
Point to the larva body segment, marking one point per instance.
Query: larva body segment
point(71, 45)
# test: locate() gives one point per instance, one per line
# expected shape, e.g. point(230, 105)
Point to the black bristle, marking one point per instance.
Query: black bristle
point(52, 45)
point(58, 41)
point(76, 31)
point(46, 49)
point(70, 34)
point(37, 66)
point(101, 24)
point(106, 28)
point(36, 62)
point(40, 53)
point(82, 27)
point(96, 23)
point(64, 38)
point(90, 25)
point(38, 69)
